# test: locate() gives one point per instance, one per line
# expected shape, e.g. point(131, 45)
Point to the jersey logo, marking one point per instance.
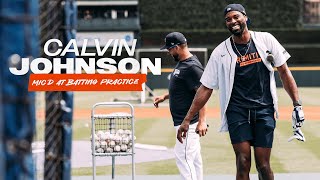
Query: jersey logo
point(176, 72)
point(248, 59)
point(284, 52)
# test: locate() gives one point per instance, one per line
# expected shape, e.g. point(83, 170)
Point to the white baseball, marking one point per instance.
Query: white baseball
point(108, 139)
point(100, 150)
point(111, 136)
point(103, 137)
point(103, 145)
point(117, 139)
point(112, 144)
point(117, 148)
point(120, 132)
point(127, 132)
point(123, 136)
point(97, 144)
point(125, 140)
point(100, 133)
point(123, 148)
point(107, 135)
point(109, 150)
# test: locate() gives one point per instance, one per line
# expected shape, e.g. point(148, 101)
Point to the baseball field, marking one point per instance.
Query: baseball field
point(154, 126)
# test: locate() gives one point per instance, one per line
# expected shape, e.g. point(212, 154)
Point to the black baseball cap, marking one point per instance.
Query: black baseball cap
point(173, 39)
point(236, 7)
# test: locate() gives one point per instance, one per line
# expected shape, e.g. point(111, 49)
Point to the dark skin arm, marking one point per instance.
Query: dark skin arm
point(288, 82)
point(160, 99)
point(202, 128)
point(202, 96)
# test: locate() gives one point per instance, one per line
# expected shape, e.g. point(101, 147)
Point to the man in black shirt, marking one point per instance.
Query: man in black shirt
point(184, 82)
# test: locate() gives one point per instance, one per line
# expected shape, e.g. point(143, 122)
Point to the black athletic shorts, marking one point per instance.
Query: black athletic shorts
point(255, 125)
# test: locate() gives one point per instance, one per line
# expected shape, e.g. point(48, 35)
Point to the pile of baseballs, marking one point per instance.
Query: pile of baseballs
point(113, 141)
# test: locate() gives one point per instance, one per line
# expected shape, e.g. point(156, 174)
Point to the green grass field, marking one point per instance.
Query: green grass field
point(217, 153)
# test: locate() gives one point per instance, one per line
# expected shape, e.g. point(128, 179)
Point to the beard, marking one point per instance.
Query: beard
point(238, 32)
point(175, 57)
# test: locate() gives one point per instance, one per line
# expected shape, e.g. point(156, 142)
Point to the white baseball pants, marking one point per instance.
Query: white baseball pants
point(188, 155)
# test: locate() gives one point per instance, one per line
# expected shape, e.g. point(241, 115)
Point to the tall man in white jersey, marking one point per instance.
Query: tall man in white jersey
point(241, 68)
point(184, 82)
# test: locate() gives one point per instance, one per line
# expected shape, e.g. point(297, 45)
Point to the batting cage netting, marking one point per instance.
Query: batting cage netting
point(19, 38)
point(25, 25)
point(58, 21)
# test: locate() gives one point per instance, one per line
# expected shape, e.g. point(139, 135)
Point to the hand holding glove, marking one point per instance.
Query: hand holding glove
point(297, 117)
point(297, 122)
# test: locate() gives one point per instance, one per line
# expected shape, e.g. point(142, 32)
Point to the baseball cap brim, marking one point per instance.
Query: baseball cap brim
point(168, 47)
point(164, 47)
point(173, 39)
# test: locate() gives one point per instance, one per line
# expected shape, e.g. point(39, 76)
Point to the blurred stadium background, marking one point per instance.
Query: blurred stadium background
point(25, 25)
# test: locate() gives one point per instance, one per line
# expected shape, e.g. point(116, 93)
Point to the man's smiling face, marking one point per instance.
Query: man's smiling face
point(236, 22)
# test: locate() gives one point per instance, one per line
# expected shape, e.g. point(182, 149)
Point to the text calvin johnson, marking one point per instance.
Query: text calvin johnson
point(77, 65)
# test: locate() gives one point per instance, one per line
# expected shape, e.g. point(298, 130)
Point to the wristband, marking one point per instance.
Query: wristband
point(297, 103)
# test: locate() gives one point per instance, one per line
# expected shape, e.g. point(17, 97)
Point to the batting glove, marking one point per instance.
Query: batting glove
point(297, 122)
point(297, 134)
point(297, 117)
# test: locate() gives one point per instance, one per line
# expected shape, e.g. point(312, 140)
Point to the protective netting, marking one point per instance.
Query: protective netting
point(57, 21)
point(19, 37)
point(51, 22)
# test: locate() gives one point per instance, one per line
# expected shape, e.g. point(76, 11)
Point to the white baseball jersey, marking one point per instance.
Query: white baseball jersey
point(220, 70)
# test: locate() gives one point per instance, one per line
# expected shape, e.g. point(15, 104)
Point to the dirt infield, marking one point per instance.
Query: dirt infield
point(311, 113)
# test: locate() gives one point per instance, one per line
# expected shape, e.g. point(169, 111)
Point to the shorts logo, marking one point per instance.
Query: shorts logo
point(176, 72)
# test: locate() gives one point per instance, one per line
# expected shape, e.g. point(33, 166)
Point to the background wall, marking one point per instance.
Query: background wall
point(208, 14)
point(202, 22)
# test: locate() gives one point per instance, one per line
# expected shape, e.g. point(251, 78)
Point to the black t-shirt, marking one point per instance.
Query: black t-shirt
point(184, 80)
point(251, 88)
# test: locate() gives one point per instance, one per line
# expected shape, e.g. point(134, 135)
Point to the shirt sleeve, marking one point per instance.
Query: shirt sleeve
point(209, 77)
point(194, 75)
point(280, 54)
